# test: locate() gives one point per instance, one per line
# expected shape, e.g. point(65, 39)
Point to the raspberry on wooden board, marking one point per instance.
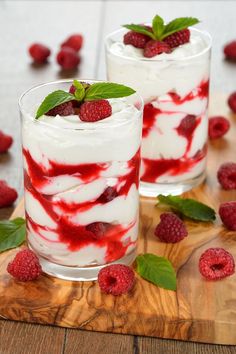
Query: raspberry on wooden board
point(216, 263)
point(227, 213)
point(226, 175)
point(25, 266)
point(171, 228)
point(116, 279)
point(218, 127)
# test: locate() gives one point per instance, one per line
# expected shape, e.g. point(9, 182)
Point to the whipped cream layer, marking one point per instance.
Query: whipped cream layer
point(81, 186)
point(156, 76)
point(173, 86)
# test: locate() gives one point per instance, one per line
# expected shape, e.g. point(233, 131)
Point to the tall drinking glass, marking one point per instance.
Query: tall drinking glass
point(175, 92)
point(81, 185)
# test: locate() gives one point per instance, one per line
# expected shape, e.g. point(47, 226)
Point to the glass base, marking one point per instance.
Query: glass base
point(153, 189)
point(80, 273)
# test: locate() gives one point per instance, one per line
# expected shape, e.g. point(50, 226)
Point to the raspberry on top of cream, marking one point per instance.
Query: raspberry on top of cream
point(87, 101)
point(196, 45)
point(159, 38)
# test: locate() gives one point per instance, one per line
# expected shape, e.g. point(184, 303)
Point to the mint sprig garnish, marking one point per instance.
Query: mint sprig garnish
point(140, 29)
point(160, 30)
point(84, 92)
point(157, 270)
point(106, 90)
point(53, 100)
point(12, 233)
point(188, 207)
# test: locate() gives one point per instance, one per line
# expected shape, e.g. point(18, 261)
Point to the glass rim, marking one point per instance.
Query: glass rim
point(205, 50)
point(89, 126)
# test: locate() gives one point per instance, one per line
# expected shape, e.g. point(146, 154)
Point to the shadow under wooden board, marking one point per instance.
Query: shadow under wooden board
point(201, 311)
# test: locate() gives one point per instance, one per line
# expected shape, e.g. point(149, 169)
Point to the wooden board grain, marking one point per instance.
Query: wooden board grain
point(199, 311)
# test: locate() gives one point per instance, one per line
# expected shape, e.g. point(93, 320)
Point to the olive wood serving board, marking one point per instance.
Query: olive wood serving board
point(201, 311)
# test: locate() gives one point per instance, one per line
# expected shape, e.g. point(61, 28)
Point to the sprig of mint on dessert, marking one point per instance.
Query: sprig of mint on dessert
point(83, 92)
point(12, 233)
point(157, 270)
point(188, 207)
point(159, 30)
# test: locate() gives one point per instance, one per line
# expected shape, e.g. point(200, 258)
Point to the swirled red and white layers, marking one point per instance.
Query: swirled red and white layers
point(81, 189)
point(174, 87)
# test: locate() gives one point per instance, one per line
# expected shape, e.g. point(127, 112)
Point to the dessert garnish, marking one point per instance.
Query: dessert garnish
point(157, 270)
point(226, 175)
point(89, 101)
point(159, 38)
point(218, 127)
point(7, 194)
point(116, 279)
point(171, 228)
point(188, 207)
point(232, 101)
point(12, 233)
point(227, 213)
point(25, 266)
point(216, 264)
point(5, 142)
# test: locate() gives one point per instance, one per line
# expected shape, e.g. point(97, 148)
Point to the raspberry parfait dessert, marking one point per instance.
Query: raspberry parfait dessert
point(168, 65)
point(81, 152)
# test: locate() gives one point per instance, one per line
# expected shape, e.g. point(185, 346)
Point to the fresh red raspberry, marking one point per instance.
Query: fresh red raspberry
point(153, 48)
point(72, 89)
point(227, 175)
point(64, 109)
point(232, 101)
point(7, 195)
point(178, 38)
point(68, 58)
point(171, 228)
point(25, 266)
point(227, 213)
point(98, 229)
point(95, 110)
point(116, 279)
point(216, 263)
point(187, 126)
point(39, 52)
point(5, 142)
point(135, 39)
point(75, 41)
point(218, 126)
point(108, 195)
point(230, 50)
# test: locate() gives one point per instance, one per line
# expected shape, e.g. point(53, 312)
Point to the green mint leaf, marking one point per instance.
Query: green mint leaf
point(158, 27)
point(80, 91)
point(189, 207)
point(103, 90)
point(140, 29)
point(157, 270)
point(179, 24)
point(53, 100)
point(12, 233)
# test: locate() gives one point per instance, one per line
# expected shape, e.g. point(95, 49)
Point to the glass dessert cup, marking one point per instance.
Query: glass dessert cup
point(81, 185)
point(175, 93)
